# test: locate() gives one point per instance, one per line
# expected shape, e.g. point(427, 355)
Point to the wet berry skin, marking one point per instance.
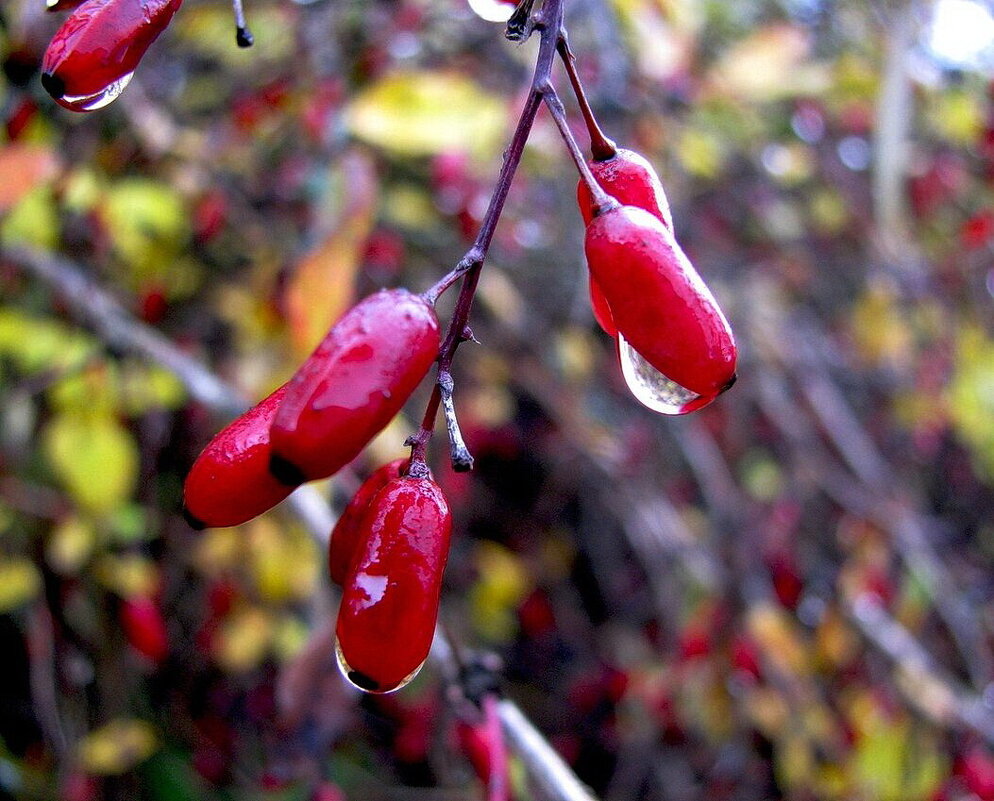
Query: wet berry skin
point(353, 384)
point(391, 593)
point(659, 302)
point(345, 534)
point(230, 482)
point(100, 43)
point(631, 180)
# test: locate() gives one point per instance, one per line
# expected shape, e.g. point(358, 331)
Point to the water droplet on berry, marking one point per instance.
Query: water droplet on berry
point(493, 10)
point(653, 389)
point(368, 684)
point(98, 100)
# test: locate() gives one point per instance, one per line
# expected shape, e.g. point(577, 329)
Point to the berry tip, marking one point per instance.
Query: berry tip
point(285, 472)
point(244, 37)
point(193, 522)
point(54, 85)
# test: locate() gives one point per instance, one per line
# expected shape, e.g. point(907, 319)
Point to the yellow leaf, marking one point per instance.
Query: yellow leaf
point(95, 458)
point(424, 113)
point(778, 638)
point(69, 545)
point(971, 397)
point(117, 747)
point(323, 285)
point(769, 64)
point(244, 640)
point(19, 583)
point(33, 221)
point(36, 343)
point(128, 575)
point(148, 225)
point(284, 561)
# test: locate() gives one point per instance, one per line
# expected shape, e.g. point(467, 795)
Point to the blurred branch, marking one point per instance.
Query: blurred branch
point(882, 500)
point(890, 143)
point(91, 303)
point(923, 684)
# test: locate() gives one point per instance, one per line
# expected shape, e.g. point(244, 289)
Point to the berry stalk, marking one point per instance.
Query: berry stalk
point(550, 25)
point(602, 201)
point(601, 147)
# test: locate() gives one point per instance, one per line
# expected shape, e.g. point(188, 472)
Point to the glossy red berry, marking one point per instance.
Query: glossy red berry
point(145, 628)
point(602, 312)
point(353, 384)
point(92, 56)
point(659, 302)
point(345, 534)
point(230, 481)
point(391, 593)
point(631, 180)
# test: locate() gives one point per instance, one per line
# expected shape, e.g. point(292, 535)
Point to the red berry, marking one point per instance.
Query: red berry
point(345, 534)
point(99, 46)
point(659, 302)
point(631, 180)
point(390, 600)
point(353, 384)
point(602, 312)
point(145, 628)
point(230, 481)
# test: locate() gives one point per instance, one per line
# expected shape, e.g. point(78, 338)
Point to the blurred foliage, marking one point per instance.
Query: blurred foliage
point(676, 602)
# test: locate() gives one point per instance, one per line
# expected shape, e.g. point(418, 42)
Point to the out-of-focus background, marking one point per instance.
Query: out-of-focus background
point(785, 595)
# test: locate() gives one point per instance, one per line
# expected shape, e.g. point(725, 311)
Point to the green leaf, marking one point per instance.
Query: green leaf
point(33, 221)
point(35, 344)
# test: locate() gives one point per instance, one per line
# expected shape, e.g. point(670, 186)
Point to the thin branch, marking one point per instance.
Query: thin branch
point(91, 303)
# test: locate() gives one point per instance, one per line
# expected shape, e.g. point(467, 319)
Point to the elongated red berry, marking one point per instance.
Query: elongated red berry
point(345, 534)
point(230, 481)
point(93, 55)
point(353, 384)
point(145, 627)
point(631, 180)
point(659, 302)
point(391, 593)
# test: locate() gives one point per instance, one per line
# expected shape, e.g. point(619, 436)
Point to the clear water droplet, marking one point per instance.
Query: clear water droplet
point(493, 10)
point(653, 389)
point(99, 99)
point(365, 683)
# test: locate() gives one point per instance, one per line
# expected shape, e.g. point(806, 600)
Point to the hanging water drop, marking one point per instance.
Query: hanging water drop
point(366, 683)
point(97, 100)
point(493, 10)
point(653, 389)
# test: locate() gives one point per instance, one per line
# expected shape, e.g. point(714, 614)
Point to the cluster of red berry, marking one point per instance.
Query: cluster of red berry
point(389, 548)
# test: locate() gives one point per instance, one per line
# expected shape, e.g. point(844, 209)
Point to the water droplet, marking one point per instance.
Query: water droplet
point(99, 99)
point(366, 683)
point(653, 389)
point(493, 10)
